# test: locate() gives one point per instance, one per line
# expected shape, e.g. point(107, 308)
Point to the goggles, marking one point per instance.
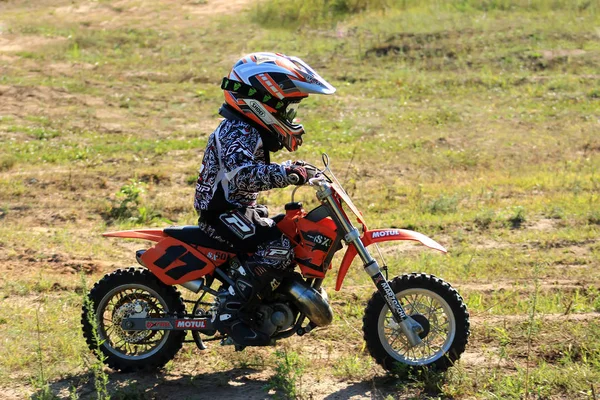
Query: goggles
point(291, 111)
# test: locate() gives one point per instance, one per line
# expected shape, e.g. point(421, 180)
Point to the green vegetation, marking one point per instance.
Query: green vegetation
point(475, 122)
point(288, 374)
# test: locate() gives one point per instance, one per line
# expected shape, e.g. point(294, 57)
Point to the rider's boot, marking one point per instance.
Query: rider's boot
point(236, 312)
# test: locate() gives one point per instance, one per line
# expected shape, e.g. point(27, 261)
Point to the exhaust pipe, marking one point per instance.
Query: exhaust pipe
point(309, 301)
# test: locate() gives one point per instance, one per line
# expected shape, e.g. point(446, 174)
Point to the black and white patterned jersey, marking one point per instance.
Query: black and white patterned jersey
point(234, 169)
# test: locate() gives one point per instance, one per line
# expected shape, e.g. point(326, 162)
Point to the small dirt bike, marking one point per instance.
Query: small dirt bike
point(137, 318)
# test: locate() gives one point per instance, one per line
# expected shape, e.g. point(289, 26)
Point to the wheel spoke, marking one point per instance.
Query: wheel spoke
point(411, 300)
point(396, 337)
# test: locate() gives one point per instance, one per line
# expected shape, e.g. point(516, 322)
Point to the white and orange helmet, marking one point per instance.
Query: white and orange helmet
point(267, 88)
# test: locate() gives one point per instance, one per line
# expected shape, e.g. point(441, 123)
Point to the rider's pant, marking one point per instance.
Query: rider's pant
point(250, 231)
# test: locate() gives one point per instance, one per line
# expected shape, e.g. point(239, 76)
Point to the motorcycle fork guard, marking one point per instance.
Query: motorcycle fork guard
point(409, 326)
point(168, 324)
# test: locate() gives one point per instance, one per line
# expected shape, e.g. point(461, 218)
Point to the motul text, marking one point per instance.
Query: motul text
point(385, 233)
point(190, 324)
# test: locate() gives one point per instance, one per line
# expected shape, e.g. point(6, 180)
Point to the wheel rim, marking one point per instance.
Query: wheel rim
point(124, 302)
point(442, 328)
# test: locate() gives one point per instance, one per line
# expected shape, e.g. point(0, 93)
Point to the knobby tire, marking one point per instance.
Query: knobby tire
point(144, 279)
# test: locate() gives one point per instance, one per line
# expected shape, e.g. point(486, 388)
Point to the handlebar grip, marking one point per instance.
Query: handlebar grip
point(293, 178)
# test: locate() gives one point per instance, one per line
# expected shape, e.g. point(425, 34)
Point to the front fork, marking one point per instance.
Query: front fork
point(409, 326)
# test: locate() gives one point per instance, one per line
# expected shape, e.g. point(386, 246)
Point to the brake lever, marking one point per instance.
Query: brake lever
point(316, 179)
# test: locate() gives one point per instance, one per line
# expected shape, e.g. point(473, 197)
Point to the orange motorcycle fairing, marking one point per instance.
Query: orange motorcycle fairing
point(383, 235)
point(175, 262)
point(312, 241)
point(316, 242)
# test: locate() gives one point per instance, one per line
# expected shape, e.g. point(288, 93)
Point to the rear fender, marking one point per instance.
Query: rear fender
point(154, 235)
point(383, 235)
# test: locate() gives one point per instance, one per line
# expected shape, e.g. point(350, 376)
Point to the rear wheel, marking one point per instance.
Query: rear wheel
point(124, 294)
point(435, 305)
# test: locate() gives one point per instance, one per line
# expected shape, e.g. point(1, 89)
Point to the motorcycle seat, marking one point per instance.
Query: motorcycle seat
point(192, 234)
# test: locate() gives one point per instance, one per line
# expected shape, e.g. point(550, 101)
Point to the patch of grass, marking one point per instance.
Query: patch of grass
point(130, 205)
point(442, 205)
point(484, 219)
point(289, 369)
point(7, 162)
point(277, 13)
point(39, 133)
point(61, 345)
point(594, 217)
point(352, 366)
point(517, 218)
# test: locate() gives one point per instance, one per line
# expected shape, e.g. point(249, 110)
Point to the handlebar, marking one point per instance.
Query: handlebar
point(313, 172)
point(317, 180)
point(294, 178)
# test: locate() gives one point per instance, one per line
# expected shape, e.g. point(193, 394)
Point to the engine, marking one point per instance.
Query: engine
point(279, 311)
point(275, 317)
point(279, 316)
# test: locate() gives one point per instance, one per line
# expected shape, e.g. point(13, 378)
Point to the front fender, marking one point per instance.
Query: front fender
point(383, 235)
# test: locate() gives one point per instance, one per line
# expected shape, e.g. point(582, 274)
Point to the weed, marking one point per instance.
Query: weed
point(40, 133)
point(43, 391)
point(249, 359)
point(130, 206)
point(351, 367)
point(517, 218)
point(442, 205)
point(484, 219)
point(130, 391)
point(191, 180)
point(74, 52)
point(289, 369)
point(428, 381)
point(530, 327)
point(96, 365)
point(594, 217)
point(130, 197)
point(504, 340)
point(555, 212)
point(7, 162)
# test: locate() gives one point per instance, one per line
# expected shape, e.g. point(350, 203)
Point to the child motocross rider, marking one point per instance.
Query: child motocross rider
point(262, 94)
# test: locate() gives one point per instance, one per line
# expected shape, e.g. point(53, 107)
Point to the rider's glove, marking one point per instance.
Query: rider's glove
point(311, 171)
point(296, 174)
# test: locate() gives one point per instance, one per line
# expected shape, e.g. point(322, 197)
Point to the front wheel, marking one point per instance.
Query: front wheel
point(435, 305)
point(131, 293)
